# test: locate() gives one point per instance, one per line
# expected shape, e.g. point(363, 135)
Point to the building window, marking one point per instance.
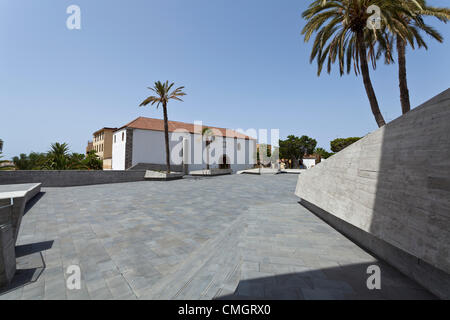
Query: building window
point(123, 136)
point(239, 147)
point(114, 138)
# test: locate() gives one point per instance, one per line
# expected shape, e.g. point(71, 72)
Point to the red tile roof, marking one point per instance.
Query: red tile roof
point(158, 125)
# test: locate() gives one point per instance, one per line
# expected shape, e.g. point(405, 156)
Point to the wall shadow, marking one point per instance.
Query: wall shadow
point(338, 283)
point(390, 193)
point(30, 204)
point(30, 265)
point(28, 249)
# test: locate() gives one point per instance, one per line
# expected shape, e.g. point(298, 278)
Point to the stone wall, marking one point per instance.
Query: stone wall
point(156, 167)
point(129, 149)
point(7, 253)
point(394, 187)
point(70, 178)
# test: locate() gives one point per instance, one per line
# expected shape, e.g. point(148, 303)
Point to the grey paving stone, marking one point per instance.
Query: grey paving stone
point(234, 237)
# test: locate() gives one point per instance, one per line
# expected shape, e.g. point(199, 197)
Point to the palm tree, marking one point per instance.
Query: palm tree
point(58, 156)
point(342, 34)
point(411, 34)
point(1, 145)
point(92, 161)
point(163, 95)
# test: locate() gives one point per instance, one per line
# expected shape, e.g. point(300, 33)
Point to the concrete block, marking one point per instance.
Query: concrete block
point(7, 255)
point(394, 186)
point(162, 176)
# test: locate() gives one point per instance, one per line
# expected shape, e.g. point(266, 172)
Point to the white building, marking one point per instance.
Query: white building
point(140, 144)
point(309, 161)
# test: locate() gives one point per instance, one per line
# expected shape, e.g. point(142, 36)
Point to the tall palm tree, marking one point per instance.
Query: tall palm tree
point(411, 34)
point(342, 34)
point(163, 95)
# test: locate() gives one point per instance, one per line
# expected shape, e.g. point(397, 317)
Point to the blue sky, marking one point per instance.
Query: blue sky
point(244, 65)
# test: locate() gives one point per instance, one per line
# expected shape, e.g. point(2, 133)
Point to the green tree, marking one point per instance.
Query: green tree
point(163, 95)
point(294, 148)
point(342, 143)
point(33, 161)
point(342, 34)
point(266, 156)
point(324, 154)
point(58, 157)
point(92, 161)
point(396, 32)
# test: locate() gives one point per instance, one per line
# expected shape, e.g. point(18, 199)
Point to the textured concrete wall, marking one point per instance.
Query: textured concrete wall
point(70, 178)
point(7, 254)
point(395, 185)
point(129, 149)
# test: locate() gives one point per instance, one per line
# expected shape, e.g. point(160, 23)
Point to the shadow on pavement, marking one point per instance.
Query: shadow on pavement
point(338, 283)
point(30, 265)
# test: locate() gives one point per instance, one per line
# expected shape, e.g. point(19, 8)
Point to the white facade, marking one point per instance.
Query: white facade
point(118, 149)
point(309, 163)
point(148, 147)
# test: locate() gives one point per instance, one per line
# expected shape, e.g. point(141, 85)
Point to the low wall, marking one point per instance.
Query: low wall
point(156, 167)
point(70, 178)
point(390, 192)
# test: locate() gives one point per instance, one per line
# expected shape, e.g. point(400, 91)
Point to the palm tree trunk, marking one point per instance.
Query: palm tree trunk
point(368, 83)
point(403, 84)
point(166, 136)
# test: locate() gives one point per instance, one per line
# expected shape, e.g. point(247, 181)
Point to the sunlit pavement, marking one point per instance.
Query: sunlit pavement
point(228, 237)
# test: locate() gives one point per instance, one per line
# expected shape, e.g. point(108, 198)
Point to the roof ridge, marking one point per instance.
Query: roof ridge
point(174, 122)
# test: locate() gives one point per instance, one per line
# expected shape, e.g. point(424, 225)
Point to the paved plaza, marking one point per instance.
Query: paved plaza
point(228, 237)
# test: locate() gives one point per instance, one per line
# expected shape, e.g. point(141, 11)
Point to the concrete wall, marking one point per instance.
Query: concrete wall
point(156, 167)
point(394, 185)
point(107, 164)
point(70, 178)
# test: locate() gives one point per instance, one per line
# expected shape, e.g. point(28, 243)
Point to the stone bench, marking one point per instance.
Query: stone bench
point(7, 248)
point(13, 199)
point(20, 195)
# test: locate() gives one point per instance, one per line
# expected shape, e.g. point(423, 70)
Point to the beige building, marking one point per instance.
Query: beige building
point(102, 144)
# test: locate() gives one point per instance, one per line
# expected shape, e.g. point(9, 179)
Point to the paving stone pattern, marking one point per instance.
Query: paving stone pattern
point(228, 237)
